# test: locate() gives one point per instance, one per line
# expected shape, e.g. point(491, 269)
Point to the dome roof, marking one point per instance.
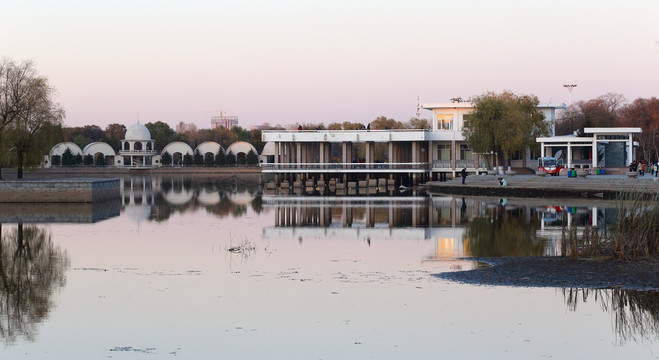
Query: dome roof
point(137, 132)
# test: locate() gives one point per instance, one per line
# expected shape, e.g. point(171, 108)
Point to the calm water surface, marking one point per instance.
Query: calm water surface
point(200, 269)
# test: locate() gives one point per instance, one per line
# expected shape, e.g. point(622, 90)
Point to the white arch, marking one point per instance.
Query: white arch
point(177, 147)
point(208, 197)
point(98, 147)
point(241, 198)
point(241, 147)
point(209, 147)
point(178, 197)
point(60, 148)
point(268, 149)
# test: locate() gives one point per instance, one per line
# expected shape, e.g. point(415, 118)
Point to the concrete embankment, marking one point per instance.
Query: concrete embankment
point(85, 171)
point(591, 186)
point(59, 191)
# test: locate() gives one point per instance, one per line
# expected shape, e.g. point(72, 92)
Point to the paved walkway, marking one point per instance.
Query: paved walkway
point(599, 186)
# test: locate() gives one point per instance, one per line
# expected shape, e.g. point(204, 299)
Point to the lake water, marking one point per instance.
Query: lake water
point(201, 268)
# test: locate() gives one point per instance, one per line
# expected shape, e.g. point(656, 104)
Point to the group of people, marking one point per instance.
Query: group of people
point(641, 168)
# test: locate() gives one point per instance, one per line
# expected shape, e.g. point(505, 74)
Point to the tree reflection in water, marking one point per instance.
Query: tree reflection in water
point(31, 270)
point(503, 232)
point(635, 314)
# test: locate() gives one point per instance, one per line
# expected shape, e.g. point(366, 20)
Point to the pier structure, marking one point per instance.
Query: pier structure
point(399, 156)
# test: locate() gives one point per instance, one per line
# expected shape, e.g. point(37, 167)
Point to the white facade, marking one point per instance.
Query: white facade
point(137, 148)
point(591, 144)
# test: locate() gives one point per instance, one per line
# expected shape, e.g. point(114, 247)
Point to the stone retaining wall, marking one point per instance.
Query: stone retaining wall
point(59, 191)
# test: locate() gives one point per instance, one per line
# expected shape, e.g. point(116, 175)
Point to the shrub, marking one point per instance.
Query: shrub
point(166, 158)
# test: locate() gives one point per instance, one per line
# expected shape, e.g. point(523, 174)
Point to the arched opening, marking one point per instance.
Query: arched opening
point(99, 159)
point(148, 146)
point(137, 146)
point(126, 146)
point(177, 158)
point(241, 158)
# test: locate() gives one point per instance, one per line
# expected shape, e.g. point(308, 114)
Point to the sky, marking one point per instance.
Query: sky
point(287, 62)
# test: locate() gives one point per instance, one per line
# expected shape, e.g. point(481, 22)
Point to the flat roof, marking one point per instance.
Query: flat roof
point(613, 130)
point(470, 105)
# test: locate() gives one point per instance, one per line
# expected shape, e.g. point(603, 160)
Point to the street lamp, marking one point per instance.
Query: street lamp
point(569, 88)
point(9, 157)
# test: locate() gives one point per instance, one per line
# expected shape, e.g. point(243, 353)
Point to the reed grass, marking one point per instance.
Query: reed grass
point(635, 314)
point(634, 235)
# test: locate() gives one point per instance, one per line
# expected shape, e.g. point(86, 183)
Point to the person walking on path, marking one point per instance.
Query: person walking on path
point(464, 175)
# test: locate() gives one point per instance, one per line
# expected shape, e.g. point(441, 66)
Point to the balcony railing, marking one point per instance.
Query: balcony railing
point(138, 152)
point(345, 167)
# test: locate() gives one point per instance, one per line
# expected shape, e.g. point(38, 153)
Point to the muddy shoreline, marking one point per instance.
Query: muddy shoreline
point(561, 272)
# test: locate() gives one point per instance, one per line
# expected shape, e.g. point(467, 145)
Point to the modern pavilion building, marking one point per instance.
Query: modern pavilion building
point(405, 156)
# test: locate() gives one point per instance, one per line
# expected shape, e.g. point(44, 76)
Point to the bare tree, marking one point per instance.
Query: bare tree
point(37, 110)
point(25, 106)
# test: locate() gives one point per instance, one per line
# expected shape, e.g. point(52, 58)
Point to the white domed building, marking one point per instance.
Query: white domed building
point(137, 149)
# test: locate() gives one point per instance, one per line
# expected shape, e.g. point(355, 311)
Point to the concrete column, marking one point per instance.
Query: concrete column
point(594, 151)
point(453, 154)
point(276, 152)
point(298, 153)
point(542, 149)
point(630, 149)
point(390, 152)
point(322, 153)
point(569, 155)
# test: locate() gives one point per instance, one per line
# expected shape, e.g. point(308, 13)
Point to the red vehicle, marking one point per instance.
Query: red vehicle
point(551, 165)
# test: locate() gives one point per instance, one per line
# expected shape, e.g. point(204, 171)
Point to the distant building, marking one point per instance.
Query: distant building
point(185, 127)
point(225, 121)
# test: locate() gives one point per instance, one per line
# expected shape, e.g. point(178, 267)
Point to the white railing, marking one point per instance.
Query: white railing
point(337, 167)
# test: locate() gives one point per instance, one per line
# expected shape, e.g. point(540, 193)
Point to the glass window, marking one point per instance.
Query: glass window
point(443, 152)
point(445, 121)
point(517, 155)
point(466, 152)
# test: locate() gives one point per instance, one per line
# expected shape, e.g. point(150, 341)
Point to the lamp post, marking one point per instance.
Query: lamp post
point(9, 157)
point(569, 88)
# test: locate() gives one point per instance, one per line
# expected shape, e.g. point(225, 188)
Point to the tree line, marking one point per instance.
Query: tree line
point(611, 110)
point(505, 123)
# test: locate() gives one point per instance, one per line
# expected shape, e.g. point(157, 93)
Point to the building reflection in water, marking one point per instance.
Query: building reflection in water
point(459, 226)
point(158, 198)
point(32, 270)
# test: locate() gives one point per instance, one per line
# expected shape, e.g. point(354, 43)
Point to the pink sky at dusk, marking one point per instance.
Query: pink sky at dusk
point(288, 62)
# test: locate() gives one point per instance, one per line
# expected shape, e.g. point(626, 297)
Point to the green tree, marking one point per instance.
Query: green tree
point(56, 160)
point(382, 123)
point(77, 158)
point(188, 159)
point(88, 159)
point(166, 158)
point(252, 158)
point(67, 158)
point(504, 123)
point(220, 158)
point(198, 158)
point(230, 159)
point(162, 134)
point(416, 123)
point(209, 159)
point(241, 134)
